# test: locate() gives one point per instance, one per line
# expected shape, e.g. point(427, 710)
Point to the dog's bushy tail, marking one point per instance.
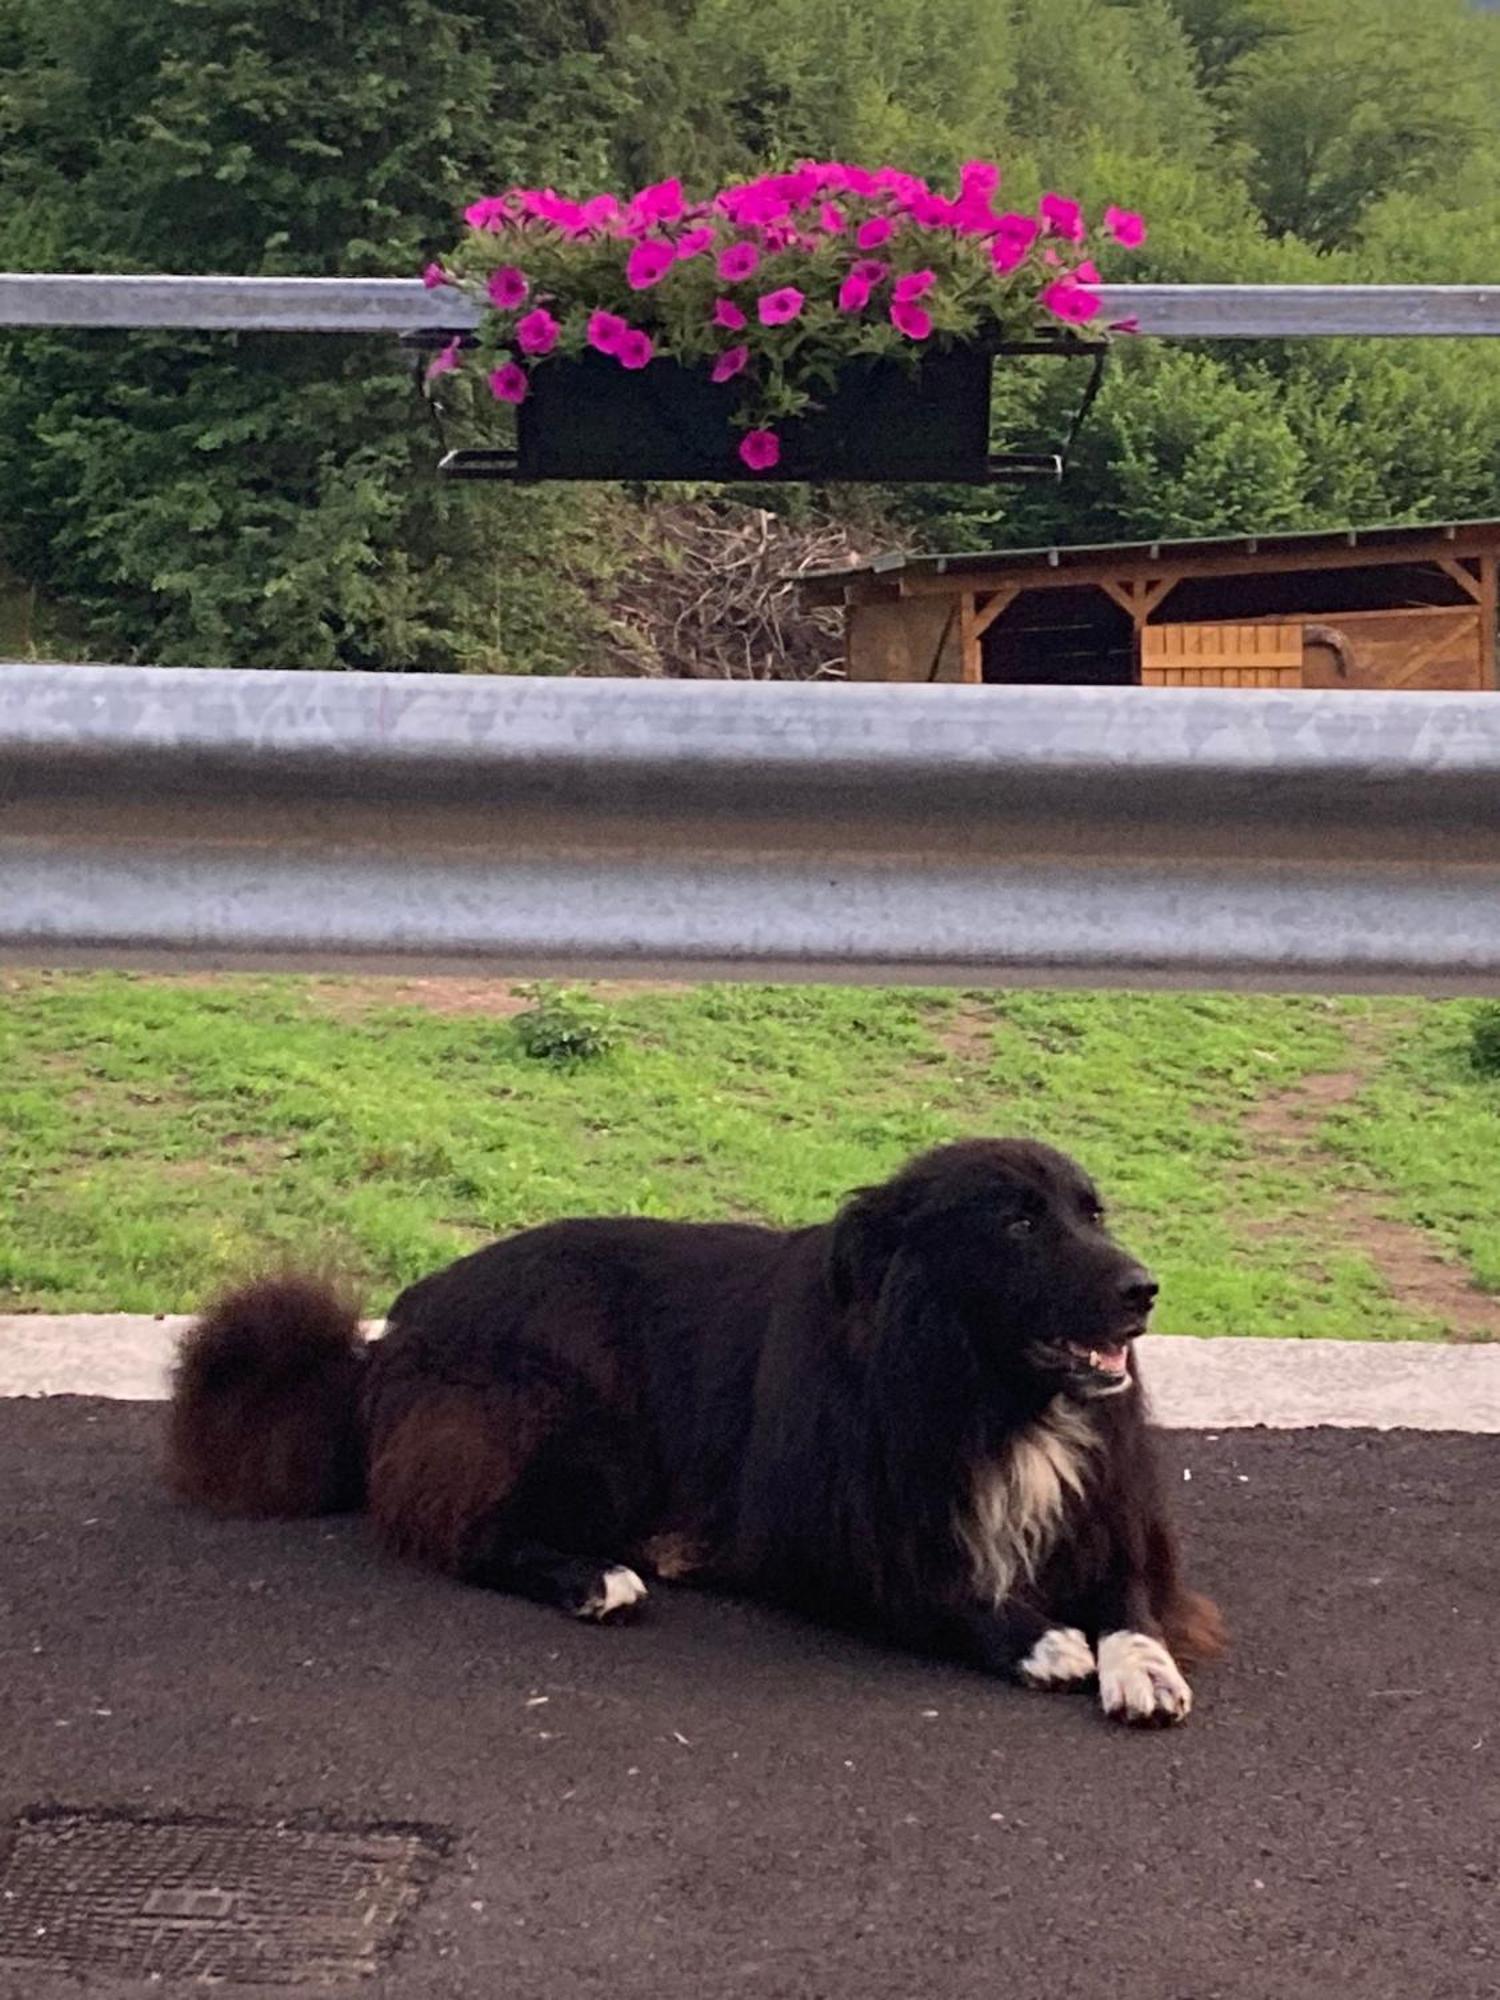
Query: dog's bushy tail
point(265, 1402)
point(1195, 1629)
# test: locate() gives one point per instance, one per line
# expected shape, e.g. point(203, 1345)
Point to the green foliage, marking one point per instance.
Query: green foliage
point(1484, 1038)
point(270, 500)
point(564, 1026)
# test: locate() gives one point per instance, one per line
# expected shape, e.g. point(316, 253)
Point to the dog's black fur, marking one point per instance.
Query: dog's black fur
point(893, 1418)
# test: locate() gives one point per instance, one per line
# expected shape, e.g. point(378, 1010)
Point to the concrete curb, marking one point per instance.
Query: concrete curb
point(1195, 1384)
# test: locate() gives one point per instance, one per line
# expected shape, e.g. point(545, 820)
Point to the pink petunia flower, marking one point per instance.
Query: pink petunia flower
point(933, 211)
point(729, 363)
point(1125, 226)
point(978, 180)
point(693, 242)
point(601, 210)
point(854, 294)
point(492, 212)
point(537, 332)
point(728, 315)
point(870, 235)
point(911, 320)
point(738, 262)
point(776, 308)
point(648, 264)
point(869, 270)
point(635, 349)
point(1087, 273)
point(1069, 301)
point(433, 276)
point(1131, 325)
point(1063, 217)
point(662, 202)
point(760, 450)
point(915, 285)
point(605, 332)
point(509, 384)
point(831, 219)
point(507, 287)
point(445, 362)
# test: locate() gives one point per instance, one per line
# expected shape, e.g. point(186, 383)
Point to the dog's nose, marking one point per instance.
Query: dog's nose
point(1139, 1292)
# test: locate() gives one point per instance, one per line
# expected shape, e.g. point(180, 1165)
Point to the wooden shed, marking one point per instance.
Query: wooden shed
point(1353, 607)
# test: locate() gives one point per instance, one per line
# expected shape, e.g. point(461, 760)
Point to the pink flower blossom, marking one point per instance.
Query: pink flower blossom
point(911, 320)
point(661, 202)
point(729, 363)
point(760, 450)
point(932, 210)
point(635, 349)
point(548, 206)
point(1087, 273)
point(605, 332)
point(978, 180)
point(728, 315)
point(509, 384)
point(1063, 217)
point(831, 218)
point(1131, 325)
point(873, 233)
point(915, 285)
point(1125, 226)
point(537, 332)
point(693, 242)
point(854, 294)
point(1014, 236)
point(493, 212)
point(648, 264)
point(776, 308)
point(869, 270)
point(444, 363)
point(738, 262)
point(433, 276)
point(1067, 300)
point(601, 210)
point(507, 287)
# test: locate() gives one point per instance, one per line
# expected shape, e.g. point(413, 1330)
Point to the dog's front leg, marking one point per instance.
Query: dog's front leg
point(1026, 1646)
point(1139, 1681)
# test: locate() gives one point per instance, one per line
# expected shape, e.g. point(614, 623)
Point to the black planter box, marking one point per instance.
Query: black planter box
point(590, 418)
point(593, 419)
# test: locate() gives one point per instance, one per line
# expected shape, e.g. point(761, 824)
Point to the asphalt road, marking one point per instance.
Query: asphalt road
point(721, 1802)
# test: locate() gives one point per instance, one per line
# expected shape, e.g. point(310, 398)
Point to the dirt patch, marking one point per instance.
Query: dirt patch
point(491, 999)
point(1423, 1279)
point(968, 1032)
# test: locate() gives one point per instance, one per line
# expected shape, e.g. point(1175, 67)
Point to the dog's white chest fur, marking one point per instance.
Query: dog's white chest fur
point(1016, 1506)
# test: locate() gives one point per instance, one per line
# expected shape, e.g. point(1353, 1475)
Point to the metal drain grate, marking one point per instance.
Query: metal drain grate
point(182, 1898)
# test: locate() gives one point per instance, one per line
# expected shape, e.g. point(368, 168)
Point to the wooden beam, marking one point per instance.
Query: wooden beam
point(926, 583)
point(1464, 578)
point(1151, 595)
point(970, 657)
point(997, 602)
point(1487, 607)
point(1121, 594)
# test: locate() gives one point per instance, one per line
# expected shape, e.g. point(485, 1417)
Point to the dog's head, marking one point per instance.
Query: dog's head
point(1009, 1239)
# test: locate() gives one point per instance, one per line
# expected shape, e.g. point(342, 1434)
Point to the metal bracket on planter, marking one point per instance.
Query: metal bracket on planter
point(502, 462)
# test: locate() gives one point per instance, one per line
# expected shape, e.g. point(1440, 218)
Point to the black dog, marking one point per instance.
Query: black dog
point(923, 1416)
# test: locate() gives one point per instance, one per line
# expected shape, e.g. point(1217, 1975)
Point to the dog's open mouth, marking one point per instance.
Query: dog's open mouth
point(1103, 1366)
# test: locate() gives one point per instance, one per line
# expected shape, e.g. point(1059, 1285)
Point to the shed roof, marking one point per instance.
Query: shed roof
point(1388, 544)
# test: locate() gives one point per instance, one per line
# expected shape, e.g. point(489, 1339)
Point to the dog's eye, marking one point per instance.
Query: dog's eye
point(1022, 1225)
point(1093, 1211)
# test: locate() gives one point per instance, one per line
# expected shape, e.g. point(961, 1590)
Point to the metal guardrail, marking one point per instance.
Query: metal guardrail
point(1332, 841)
point(403, 305)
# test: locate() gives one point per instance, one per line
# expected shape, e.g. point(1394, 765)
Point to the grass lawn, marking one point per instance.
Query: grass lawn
point(162, 1135)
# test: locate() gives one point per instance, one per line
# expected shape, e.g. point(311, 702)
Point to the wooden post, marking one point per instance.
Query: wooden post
point(971, 657)
point(1487, 596)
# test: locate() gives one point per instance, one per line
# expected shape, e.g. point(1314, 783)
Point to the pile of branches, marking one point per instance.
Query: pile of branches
point(707, 590)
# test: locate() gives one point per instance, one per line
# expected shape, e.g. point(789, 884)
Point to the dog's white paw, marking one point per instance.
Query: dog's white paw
point(1140, 1682)
point(1061, 1658)
point(620, 1590)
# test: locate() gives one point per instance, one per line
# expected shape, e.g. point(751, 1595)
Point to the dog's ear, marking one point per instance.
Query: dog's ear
point(862, 1239)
